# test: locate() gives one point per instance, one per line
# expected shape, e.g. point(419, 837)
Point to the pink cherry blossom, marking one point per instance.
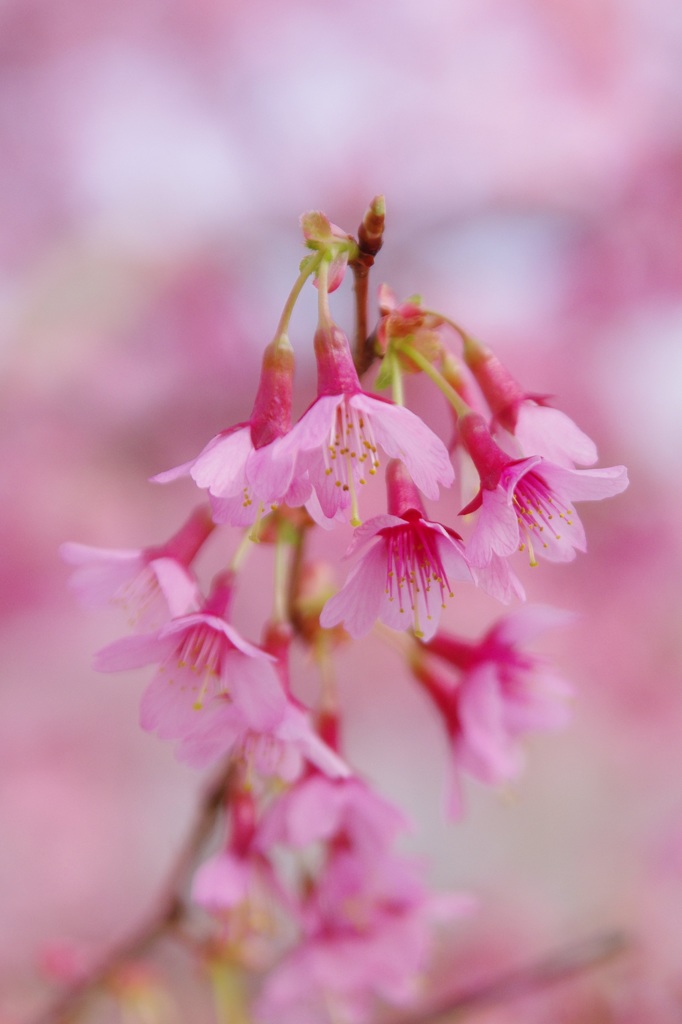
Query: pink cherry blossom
point(337, 440)
point(406, 573)
point(216, 694)
point(527, 503)
point(503, 692)
point(237, 466)
point(151, 584)
point(318, 809)
point(277, 748)
point(201, 657)
point(538, 428)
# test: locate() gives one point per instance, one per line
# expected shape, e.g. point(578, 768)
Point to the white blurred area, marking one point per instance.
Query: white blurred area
point(156, 157)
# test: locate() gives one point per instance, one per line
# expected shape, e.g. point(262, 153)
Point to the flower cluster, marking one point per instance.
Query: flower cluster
point(307, 891)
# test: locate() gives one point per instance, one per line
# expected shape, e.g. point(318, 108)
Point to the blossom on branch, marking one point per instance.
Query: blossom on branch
point(502, 692)
point(527, 503)
point(151, 584)
point(406, 572)
point(337, 440)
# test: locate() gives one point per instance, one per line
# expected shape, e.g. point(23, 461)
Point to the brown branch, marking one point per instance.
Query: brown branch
point(370, 240)
point(169, 912)
point(554, 968)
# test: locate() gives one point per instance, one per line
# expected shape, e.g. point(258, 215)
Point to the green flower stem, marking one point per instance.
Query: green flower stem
point(457, 403)
point(309, 267)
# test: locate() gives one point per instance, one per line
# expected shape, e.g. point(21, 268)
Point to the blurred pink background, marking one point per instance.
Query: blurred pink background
point(155, 159)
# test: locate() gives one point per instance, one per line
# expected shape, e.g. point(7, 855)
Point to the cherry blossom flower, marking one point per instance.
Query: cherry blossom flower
point(367, 935)
point(527, 503)
point(151, 584)
point(318, 808)
point(365, 915)
point(237, 466)
point(538, 428)
point(277, 748)
point(406, 573)
point(216, 694)
point(503, 693)
point(337, 440)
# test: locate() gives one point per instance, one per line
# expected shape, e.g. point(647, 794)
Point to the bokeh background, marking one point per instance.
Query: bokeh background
point(155, 156)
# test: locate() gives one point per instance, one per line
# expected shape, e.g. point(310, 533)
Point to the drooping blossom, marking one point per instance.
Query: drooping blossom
point(237, 466)
point(406, 572)
point(528, 503)
point(538, 428)
point(318, 808)
point(499, 693)
point(151, 584)
point(365, 915)
point(337, 440)
point(238, 886)
point(367, 932)
point(215, 693)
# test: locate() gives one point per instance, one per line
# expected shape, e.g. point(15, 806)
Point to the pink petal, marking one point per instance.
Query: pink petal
point(484, 746)
point(584, 484)
point(178, 586)
point(497, 579)
point(358, 603)
point(496, 531)
point(405, 436)
point(542, 430)
point(313, 428)
point(525, 625)
point(132, 652)
point(222, 882)
point(255, 690)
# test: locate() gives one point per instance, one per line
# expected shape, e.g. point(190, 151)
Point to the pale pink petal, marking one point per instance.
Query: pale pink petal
point(173, 703)
point(178, 586)
point(357, 605)
point(584, 484)
point(496, 530)
point(255, 690)
point(233, 511)
point(404, 436)
point(484, 747)
point(100, 572)
point(132, 652)
point(363, 534)
point(313, 428)
point(267, 477)
point(194, 619)
point(213, 733)
point(527, 624)
point(542, 430)
point(295, 729)
point(497, 579)
point(222, 882)
point(221, 466)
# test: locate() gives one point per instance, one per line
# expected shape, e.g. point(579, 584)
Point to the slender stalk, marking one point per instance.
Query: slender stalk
point(457, 403)
point(170, 910)
point(309, 267)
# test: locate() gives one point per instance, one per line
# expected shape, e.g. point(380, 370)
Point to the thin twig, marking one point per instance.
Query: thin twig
point(370, 240)
point(554, 968)
point(169, 911)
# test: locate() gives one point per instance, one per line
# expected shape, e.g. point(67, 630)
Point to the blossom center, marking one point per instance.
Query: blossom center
point(538, 508)
point(351, 451)
point(413, 565)
point(197, 663)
